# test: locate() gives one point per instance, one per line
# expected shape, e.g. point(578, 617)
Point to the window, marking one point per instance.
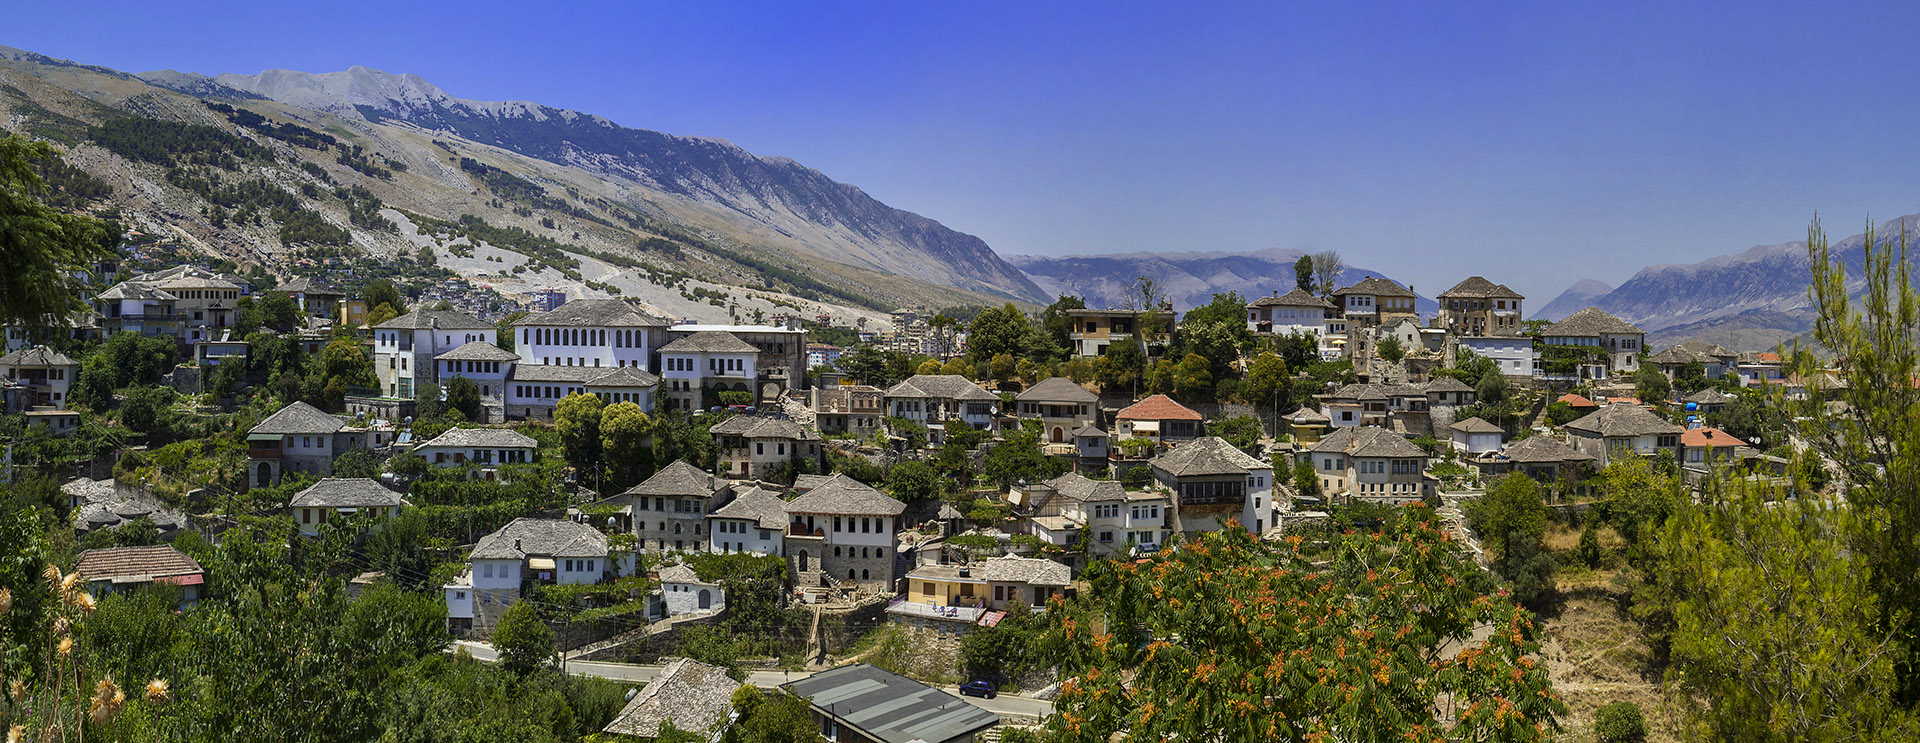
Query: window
point(487, 568)
point(1106, 536)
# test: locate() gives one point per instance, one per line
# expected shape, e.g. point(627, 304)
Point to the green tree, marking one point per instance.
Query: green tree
point(1512, 520)
point(382, 292)
point(1003, 652)
point(139, 359)
point(929, 367)
point(522, 639)
point(1002, 368)
point(1192, 379)
point(1058, 324)
point(381, 313)
point(1120, 368)
point(277, 311)
point(44, 253)
point(577, 417)
point(503, 329)
point(914, 481)
point(1242, 431)
point(1230, 637)
point(361, 462)
point(463, 395)
point(1620, 722)
point(997, 331)
point(1267, 379)
point(1305, 480)
point(771, 717)
point(1018, 457)
point(1692, 377)
point(1327, 269)
point(1390, 349)
point(1217, 331)
point(146, 408)
point(1303, 273)
point(94, 385)
point(624, 429)
point(1651, 385)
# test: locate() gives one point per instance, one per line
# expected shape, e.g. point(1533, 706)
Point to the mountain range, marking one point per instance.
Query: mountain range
point(1189, 279)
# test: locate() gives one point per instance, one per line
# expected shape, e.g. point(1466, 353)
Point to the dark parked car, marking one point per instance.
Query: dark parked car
point(980, 689)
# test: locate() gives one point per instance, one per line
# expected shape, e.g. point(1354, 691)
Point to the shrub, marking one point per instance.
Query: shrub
point(1620, 722)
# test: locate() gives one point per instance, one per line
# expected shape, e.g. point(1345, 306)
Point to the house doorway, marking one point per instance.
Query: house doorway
point(265, 478)
point(706, 599)
point(1058, 435)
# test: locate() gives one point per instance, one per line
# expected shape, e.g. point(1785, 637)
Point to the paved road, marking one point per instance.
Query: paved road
point(1005, 705)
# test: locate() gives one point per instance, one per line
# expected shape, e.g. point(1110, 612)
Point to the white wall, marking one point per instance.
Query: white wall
point(741, 535)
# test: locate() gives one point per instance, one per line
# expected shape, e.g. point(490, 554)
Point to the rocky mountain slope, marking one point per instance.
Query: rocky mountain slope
point(1190, 279)
point(264, 183)
point(835, 220)
point(1574, 299)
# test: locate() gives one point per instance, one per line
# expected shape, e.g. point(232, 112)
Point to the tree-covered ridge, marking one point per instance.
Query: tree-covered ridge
point(171, 143)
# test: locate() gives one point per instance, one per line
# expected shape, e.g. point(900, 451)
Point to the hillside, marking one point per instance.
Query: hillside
point(284, 187)
point(1574, 299)
point(1190, 279)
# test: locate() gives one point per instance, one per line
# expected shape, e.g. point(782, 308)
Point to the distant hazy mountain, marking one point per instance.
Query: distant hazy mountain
point(1745, 301)
point(1574, 299)
point(1190, 279)
point(835, 220)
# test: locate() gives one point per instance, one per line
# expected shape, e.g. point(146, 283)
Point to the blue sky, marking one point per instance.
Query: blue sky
point(1533, 143)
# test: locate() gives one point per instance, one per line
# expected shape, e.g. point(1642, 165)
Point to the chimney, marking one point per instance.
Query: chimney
point(516, 545)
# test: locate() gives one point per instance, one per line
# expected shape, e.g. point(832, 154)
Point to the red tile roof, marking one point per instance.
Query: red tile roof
point(1576, 401)
point(1158, 408)
point(1709, 438)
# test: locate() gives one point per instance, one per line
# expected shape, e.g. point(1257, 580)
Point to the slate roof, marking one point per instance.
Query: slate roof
point(756, 505)
point(1541, 450)
point(1057, 389)
point(1359, 391)
point(891, 708)
point(1088, 430)
point(1368, 441)
point(1710, 396)
point(37, 356)
point(1157, 408)
point(1622, 420)
point(525, 537)
point(1307, 415)
point(710, 341)
point(1709, 438)
point(134, 290)
point(478, 351)
point(679, 478)
point(625, 376)
point(694, 696)
point(195, 282)
point(482, 438)
point(1210, 455)
point(1376, 286)
point(940, 387)
point(345, 492)
point(436, 320)
point(1079, 487)
point(599, 313)
point(841, 494)
point(1589, 322)
point(1298, 297)
point(103, 506)
point(680, 573)
point(306, 285)
point(1477, 425)
point(1029, 570)
point(1447, 384)
point(553, 373)
point(1692, 351)
point(134, 562)
point(762, 427)
point(299, 417)
point(1476, 287)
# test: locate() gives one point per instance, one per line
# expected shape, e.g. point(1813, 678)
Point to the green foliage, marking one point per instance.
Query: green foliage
point(464, 396)
point(1651, 385)
point(624, 429)
point(577, 417)
point(383, 292)
point(909, 429)
point(1018, 457)
point(1560, 413)
point(1004, 651)
point(1691, 377)
point(139, 359)
point(1058, 325)
point(524, 641)
point(1242, 431)
point(1122, 366)
point(914, 481)
point(1192, 378)
point(1003, 330)
point(871, 365)
point(1512, 520)
point(1303, 273)
point(1305, 481)
point(1589, 549)
point(169, 143)
point(44, 254)
point(1217, 333)
point(1232, 637)
point(1619, 722)
point(771, 717)
point(1390, 349)
point(1267, 379)
point(93, 387)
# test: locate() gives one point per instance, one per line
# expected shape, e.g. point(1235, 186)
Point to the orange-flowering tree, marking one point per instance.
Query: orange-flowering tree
point(1361, 636)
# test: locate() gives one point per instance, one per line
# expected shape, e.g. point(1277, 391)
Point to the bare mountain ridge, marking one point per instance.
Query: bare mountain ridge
point(1574, 299)
point(837, 221)
point(1189, 279)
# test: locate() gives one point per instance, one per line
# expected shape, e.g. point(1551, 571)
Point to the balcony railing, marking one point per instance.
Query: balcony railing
point(967, 614)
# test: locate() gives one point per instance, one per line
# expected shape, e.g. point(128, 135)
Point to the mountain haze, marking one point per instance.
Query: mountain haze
point(1574, 299)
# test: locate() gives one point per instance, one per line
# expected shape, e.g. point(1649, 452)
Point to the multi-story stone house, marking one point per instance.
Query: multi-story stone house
point(1094, 331)
point(590, 333)
point(669, 509)
point(1118, 522)
point(337, 498)
point(1374, 301)
point(1622, 430)
point(132, 307)
point(1370, 464)
point(1620, 340)
point(298, 438)
point(45, 376)
point(1060, 405)
point(528, 552)
point(1212, 481)
point(534, 390)
point(484, 448)
point(754, 522)
point(204, 302)
point(1514, 356)
point(1477, 306)
point(1714, 360)
point(752, 447)
point(1297, 312)
point(839, 530)
point(404, 348)
point(704, 363)
point(314, 298)
point(782, 359)
point(486, 365)
point(1476, 436)
point(849, 408)
point(933, 399)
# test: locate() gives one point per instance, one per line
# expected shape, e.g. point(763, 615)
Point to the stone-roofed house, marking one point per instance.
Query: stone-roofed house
point(682, 592)
point(1708, 400)
point(994, 584)
point(625, 384)
point(753, 522)
point(45, 376)
point(1622, 429)
point(204, 302)
point(1476, 436)
point(707, 363)
point(1448, 391)
point(843, 531)
point(527, 552)
point(135, 307)
point(1308, 425)
point(297, 438)
point(1375, 301)
point(105, 571)
point(1297, 312)
point(1622, 341)
point(1543, 458)
point(669, 510)
point(694, 697)
point(335, 498)
point(1212, 481)
point(860, 702)
point(1061, 406)
point(486, 365)
point(96, 505)
point(781, 364)
point(849, 408)
point(1477, 306)
point(311, 296)
point(1157, 418)
point(1091, 447)
point(404, 348)
point(935, 398)
point(753, 447)
point(483, 447)
point(1121, 523)
point(1715, 360)
point(607, 333)
point(1372, 464)
point(1515, 356)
